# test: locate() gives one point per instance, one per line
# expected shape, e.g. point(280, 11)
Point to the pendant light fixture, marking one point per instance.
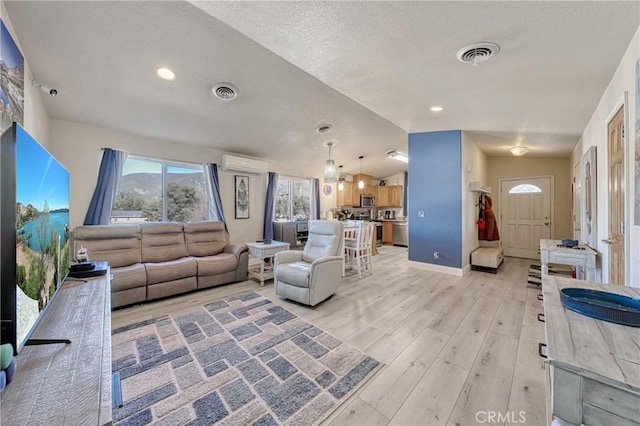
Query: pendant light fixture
point(340, 180)
point(330, 171)
point(361, 182)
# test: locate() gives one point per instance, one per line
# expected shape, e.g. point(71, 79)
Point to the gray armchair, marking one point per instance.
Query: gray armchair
point(312, 275)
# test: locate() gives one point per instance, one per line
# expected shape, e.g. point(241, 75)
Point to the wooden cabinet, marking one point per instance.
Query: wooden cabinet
point(382, 197)
point(394, 196)
point(387, 233)
point(345, 197)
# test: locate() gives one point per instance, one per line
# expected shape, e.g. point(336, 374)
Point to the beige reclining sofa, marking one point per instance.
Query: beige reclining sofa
point(153, 260)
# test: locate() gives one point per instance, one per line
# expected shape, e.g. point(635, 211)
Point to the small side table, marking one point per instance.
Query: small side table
point(263, 252)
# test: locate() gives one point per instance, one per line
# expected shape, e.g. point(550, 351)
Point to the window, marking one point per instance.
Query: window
point(293, 199)
point(524, 188)
point(160, 191)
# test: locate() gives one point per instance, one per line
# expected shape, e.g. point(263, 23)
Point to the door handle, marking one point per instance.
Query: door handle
point(607, 241)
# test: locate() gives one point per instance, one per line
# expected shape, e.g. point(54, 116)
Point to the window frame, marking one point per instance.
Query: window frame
point(165, 165)
point(290, 217)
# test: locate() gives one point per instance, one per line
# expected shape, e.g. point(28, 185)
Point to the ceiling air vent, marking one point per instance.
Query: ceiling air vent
point(225, 91)
point(476, 53)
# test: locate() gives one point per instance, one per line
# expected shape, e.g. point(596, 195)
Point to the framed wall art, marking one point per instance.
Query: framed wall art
point(242, 197)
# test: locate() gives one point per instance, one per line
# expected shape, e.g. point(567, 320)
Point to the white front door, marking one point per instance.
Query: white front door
point(525, 211)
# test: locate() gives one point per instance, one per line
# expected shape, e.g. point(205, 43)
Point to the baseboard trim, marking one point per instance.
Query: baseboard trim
point(458, 272)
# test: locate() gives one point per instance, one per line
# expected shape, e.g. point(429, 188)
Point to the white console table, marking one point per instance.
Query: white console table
point(263, 252)
point(584, 257)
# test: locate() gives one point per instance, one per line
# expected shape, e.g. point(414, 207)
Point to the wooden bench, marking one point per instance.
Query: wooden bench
point(487, 259)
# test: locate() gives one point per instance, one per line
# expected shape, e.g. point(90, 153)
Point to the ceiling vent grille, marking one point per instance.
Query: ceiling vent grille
point(225, 91)
point(476, 53)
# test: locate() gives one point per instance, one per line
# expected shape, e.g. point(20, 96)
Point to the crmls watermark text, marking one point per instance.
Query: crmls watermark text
point(500, 417)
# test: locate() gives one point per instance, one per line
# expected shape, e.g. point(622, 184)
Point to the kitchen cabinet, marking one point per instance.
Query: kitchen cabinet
point(394, 196)
point(387, 233)
point(382, 198)
point(345, 197)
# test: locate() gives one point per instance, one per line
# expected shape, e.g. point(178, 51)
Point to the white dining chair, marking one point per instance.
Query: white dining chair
point(358, 247)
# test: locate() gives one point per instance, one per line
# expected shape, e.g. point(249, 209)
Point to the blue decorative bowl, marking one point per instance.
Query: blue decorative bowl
point(602, 305)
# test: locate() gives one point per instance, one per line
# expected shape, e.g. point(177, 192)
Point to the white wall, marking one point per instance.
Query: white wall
point(78, 147)
point(474, 169)
point(36, 120)
point(595, 134)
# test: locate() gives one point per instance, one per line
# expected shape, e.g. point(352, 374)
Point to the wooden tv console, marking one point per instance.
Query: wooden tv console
point(66, 384)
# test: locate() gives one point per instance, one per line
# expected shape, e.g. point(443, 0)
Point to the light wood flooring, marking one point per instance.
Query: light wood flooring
point(452, 346)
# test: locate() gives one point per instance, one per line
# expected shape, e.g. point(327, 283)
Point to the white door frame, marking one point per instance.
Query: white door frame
point(551, 201)
point(628, 175)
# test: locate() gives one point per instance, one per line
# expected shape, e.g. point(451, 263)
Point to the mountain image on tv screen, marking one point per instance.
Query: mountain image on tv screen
point(42, 240)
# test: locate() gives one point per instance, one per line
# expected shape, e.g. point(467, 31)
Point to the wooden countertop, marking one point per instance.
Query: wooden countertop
point(601, 350)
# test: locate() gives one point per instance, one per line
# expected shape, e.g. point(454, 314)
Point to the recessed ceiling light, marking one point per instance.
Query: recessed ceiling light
point(437, 108)
point(166, 74)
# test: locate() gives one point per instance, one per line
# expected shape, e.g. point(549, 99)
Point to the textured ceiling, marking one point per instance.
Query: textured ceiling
point(372, 69)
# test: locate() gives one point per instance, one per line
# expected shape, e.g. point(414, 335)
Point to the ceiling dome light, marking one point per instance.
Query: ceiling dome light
point(396, 155)
point(166, 74)
point(519, 150)
point(225, 91)
point(436, 109)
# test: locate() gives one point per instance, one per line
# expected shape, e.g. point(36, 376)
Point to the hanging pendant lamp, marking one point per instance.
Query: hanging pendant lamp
point(330, 171)
point(361, 182)
point(340, 180)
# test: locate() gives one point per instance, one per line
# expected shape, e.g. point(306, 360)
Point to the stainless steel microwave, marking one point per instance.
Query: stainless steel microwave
point(367, 201)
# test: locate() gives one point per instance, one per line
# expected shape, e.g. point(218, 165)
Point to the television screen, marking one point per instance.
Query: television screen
point(41, 230)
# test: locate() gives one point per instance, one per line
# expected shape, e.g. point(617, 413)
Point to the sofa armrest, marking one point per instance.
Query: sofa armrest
point(325, 259)
point(288, 256)
point(235, 249)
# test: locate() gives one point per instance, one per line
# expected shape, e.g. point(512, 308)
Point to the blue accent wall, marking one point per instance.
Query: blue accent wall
point(434, 187)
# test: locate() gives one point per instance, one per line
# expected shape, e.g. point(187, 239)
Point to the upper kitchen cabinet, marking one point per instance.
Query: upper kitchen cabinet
point(345, 197)
point(394, 196)
point(382, 198)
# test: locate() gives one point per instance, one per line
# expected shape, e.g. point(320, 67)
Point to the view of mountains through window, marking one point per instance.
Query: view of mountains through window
point(160, 191)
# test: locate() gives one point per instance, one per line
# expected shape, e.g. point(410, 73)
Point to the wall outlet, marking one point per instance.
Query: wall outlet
point(436, 255)
point(420, 213)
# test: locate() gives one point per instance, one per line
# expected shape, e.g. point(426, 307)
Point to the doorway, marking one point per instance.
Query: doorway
point(615, 131)
point(526, 214)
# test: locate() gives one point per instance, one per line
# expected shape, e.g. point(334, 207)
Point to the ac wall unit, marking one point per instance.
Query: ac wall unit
point(234, 163)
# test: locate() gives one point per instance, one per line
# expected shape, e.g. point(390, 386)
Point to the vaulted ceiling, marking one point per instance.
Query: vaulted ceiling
point(371, 69)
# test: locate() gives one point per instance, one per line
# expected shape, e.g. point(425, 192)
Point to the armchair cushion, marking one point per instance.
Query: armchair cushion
point(295, 273)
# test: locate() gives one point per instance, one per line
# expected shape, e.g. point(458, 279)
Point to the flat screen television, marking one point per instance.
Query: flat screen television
point(34, 244)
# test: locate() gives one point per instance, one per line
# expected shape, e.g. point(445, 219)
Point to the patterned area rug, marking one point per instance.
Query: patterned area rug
point(243, 360)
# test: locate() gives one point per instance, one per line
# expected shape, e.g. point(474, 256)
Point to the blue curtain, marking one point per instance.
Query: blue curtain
point(267, 228)
point(102, 201)
point(316, 198)
point(214, 182)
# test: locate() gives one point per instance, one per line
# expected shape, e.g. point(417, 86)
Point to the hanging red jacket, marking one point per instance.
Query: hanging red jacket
point(490, 231)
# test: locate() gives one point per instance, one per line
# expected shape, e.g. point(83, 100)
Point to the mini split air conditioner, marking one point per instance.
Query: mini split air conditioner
point(233, 163)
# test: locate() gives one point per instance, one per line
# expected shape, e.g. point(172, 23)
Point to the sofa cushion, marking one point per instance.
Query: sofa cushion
point(205, 238)
point(128, 277)
point(295, 273)
point(171, 270)
point(117, 244)
point(162, 242)
point(218, 264)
